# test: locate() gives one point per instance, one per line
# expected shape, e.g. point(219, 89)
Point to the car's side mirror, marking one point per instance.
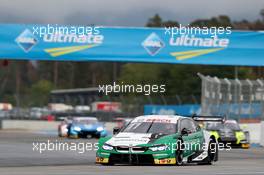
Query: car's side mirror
point(116, 130)
point(184, 132)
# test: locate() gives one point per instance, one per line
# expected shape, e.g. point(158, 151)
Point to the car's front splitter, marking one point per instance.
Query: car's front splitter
point(245, 145)
point(134, 159)
point(85, 133)
point(234, 144)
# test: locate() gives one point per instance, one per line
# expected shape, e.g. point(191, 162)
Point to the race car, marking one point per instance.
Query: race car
point(86, 127)
point(63, 127)
point(158, 139)
point(230, 133)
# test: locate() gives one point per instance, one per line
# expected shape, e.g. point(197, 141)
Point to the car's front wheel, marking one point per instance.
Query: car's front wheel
point(179, 153)
point(110, 163)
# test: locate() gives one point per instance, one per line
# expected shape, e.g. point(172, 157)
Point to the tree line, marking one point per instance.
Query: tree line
point(28, 83)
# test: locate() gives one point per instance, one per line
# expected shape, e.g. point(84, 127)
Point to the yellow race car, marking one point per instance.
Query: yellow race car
point(229, 132)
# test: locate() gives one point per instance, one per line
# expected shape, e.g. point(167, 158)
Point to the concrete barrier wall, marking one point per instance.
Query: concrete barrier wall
point(30, 124)
point(262, 134)
point(39, 125)
point(256, 130)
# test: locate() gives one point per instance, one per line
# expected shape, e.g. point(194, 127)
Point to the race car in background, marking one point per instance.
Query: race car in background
point(86, 127)
point(158, 139)
point(229, 132)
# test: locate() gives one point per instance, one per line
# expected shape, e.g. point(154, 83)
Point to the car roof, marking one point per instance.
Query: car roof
point(123, 119)
point(158, 118)
point(231, 121)
point(84, 118)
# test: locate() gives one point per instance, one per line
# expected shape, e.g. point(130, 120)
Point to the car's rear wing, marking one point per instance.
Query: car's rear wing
point(200, 118)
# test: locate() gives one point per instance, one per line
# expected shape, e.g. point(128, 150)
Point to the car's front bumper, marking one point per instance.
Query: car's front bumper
point(234, 142)
point(134, 158)
point(142, 160)
point(85, 133)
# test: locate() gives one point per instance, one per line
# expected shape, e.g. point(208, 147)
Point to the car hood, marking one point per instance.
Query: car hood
point(88, 126)
point(129, 139)
point(133, 139)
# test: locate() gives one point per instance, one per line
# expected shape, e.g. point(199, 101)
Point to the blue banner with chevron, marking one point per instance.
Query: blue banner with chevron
point(121, 44)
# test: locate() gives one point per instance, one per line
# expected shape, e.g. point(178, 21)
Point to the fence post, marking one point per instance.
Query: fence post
point(250, 96)
point(239, 97)
point(229, 96)
point(178, 100)
point(1, 124)
point(218, 94)
point(262, 98)
point(203, 93)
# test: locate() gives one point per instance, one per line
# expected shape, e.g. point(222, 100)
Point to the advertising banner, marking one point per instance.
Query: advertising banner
point(120, 44)
point(187, 109)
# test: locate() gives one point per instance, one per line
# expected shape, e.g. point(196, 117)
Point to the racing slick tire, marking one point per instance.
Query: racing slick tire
point(110, 163)
point(97, 136)
point(179, 153)
point(212, 153)
point(107, 164)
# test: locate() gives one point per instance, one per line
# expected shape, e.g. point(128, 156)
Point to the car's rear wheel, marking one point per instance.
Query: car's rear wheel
point(212, 153)
point(59, 133)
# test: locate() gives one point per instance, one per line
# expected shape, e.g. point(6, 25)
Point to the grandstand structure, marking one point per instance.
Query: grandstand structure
point(234, 98)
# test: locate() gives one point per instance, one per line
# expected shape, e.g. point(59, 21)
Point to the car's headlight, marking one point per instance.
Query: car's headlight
point(107, 147)
point(77, 128)
point(100, 128)
point(241, 136)
point(158, 148)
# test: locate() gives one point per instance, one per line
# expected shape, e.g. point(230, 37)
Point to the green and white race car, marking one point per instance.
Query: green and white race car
point(158, 139)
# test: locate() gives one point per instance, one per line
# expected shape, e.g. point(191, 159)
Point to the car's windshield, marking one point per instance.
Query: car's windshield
point(221, 126)
point(233, 126)
point(84, 121)
point(214, 126)
point(151, 127)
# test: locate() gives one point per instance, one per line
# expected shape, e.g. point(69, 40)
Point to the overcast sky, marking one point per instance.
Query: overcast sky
point(123, 12)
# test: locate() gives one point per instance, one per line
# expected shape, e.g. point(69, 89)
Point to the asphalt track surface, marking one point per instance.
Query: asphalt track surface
point(17, 157)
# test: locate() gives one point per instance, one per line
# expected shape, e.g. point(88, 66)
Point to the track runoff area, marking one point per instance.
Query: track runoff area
point(18, 157)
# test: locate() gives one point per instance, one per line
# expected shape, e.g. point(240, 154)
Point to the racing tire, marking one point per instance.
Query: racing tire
point(107, 164)
point(97, 136)
point(179, 154)
point(212, 153)
point(59, 133)
point(68, 132)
